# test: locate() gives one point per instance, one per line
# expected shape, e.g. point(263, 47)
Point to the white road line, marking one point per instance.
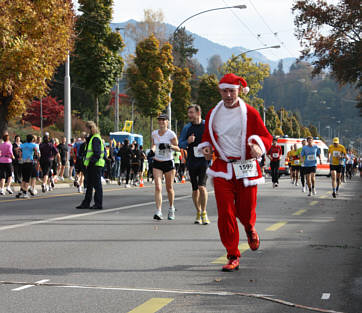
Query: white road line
point(67, 217)
point(28, 286)
point(325, 296)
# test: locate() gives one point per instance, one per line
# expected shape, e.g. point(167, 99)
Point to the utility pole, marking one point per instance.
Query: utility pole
point(67, 112)
point(116, 107)
point(41, 117)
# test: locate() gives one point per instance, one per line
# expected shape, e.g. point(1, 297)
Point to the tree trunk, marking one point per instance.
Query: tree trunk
point(4, 106)
point(97, 111)
point(151, 129)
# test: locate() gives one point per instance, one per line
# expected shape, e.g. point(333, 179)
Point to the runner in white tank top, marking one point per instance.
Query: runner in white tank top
point(164, 141)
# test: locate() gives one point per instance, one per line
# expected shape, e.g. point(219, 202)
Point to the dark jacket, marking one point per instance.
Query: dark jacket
point(126, 154)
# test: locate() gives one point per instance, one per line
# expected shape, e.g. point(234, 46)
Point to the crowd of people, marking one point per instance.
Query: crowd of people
point(229, 147)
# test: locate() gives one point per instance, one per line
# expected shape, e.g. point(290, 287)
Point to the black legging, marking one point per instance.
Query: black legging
point(274, 166)
point(125, 167)
point(302, 175)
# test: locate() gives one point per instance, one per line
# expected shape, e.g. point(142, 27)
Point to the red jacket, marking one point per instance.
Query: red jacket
point(253, 131)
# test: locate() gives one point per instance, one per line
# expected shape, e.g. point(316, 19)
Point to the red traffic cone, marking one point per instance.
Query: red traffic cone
point(183, 180)
point(141, 183)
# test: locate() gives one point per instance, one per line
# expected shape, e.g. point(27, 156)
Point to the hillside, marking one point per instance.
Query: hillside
point(208, 48)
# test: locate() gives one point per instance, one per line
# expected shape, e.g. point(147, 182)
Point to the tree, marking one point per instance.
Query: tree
point(181, 93)
point(278, 132)
point(97, 62)
point(208, 95)
point(253, 73)
point(149, 77)
point(272, 121)
point(313, 130)
point(331, 34)
point(152, 24)
point(52, 111)
point(183, 49)
point(214, 65)
point(295, 127)
point(35, 38)
point(305, 132)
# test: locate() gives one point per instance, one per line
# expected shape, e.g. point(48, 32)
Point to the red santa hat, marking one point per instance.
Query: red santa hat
point(232, 81)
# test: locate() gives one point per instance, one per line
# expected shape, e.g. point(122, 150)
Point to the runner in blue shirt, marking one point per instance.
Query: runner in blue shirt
point(309, 154)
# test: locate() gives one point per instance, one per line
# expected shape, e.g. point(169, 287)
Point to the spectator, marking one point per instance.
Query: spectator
point(6, 159)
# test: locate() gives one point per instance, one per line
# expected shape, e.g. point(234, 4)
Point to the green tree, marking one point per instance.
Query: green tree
point(97, 62)
point(208, 92)
point(253, 73)
point(183, 48)
point(181, 93)
point(149, 77)
point(295, 127)
point(272, 121)
point(313, 130)
point(278, 132)
point(305, 132)
point(287, 126)
point(331, 35)
point(35, 39)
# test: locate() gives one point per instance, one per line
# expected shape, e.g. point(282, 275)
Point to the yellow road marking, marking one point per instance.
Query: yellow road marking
point(323, 197)
point(300, 212)
point(275, 226)
point(222, 260)
point(151, 306)
point(313, 203)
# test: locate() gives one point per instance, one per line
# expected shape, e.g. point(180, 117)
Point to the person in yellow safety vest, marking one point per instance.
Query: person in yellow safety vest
point(94, 163)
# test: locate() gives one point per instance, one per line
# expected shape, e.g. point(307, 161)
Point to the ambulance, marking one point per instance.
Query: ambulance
point(286, 144)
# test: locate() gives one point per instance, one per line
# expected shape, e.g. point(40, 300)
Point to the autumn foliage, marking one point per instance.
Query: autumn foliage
point(35, 37)
point(52, 111)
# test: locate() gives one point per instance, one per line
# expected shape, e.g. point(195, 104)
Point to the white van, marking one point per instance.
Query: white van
point(286, 144)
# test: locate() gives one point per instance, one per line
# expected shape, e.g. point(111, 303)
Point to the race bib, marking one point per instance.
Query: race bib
point(275, 155)
point(296, 162)
point(336, 154)
point(311, 157)
point(244, 169)
point(162, 153)
point(197, 153)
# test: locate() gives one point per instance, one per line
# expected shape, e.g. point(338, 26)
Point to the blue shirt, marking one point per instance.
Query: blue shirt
point(28, 149)
point(310, 155)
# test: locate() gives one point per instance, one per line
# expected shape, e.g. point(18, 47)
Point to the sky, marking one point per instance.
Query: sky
point(263, 23)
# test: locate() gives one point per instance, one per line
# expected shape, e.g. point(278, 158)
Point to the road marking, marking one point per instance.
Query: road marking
point(313, 203)
point(67, 217)
point(28, 286)
point(223, 259)
point(325, 296)
point(275, 226)
point(329, 192)
point(323, 197)
point(300, 212)
point(151, 306)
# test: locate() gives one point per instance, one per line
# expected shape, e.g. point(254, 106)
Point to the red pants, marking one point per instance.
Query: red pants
point(234, 200)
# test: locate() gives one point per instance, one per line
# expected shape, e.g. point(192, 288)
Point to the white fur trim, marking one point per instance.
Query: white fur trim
point(253, 182)
point(246, 90)
point(243, 128)
point(259, 141)
point(228, 175)
point(230, 86)
point(203, 145)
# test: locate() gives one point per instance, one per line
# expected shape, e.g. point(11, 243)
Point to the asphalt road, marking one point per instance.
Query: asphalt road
point(55, 258)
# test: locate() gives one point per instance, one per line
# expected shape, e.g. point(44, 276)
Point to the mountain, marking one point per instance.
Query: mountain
point(207, 49)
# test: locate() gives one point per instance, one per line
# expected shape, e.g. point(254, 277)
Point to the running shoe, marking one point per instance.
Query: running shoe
point(296, 184)
point(205, 219)
point(31, 191)
point(2, 192)
point(10, 192)
point(43, 188)
point(19, 194)
point(303, 189)
point(314, 192)
point(309, 193)
point(127, 186)
point(198, 219)
point(171, 214)
point(80, 189)
point(158, 216)
point(276, 184)
point(52, 182)
point(253, 240)
point(334, 194)
point(232, 265)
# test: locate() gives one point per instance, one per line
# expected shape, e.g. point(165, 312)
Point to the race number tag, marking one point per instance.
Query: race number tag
point(336, 154)
point(197, 153)
point(311, 157)
point(296, 162)
point(275, 155)
point(162, 153)
point(244, 169)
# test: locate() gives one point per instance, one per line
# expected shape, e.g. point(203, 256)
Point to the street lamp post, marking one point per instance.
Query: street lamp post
point(241, 6)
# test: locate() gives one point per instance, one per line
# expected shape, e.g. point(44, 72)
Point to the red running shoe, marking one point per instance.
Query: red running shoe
point(253, 240)
point(232, 265)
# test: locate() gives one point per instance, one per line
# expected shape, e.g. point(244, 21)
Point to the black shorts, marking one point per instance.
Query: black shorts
point(46, 166)
point(28, 170)
point(71, 162)
point(164, 166)
point(295, 168)
point(63, 162)
point(198, 177)
point(309, 169)
point(79, 166)
point(337, 168)
point(6, 170)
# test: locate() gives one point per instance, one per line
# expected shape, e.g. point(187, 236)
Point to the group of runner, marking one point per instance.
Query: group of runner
point(303, 164)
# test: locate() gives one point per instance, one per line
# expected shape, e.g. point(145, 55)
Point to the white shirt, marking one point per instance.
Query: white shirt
point(166, 154)
point(227, 125)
